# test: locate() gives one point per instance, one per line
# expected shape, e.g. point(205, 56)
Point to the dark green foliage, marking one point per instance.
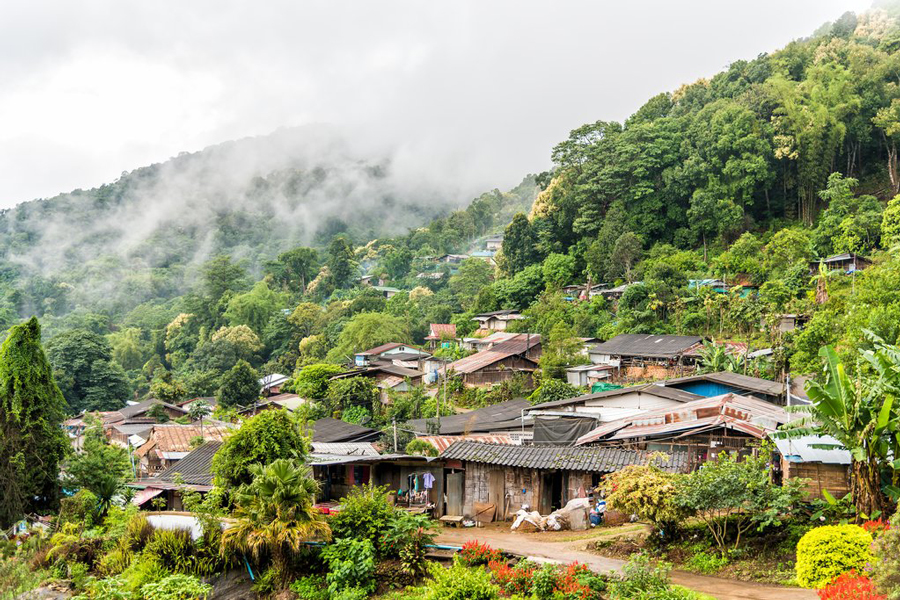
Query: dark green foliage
point(239, 386)
point(365, 514)
point(312, 380)
point(98, 467)
point(351, 391)
point(351, 564)
point(270, 435)
point(32, 441)
point(86, 374)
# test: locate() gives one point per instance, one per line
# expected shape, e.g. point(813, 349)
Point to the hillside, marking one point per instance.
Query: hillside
point(143, 236)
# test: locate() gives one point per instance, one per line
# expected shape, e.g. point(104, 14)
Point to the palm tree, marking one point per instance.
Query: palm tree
point(198, 411)
point(857, 413)
point(275, 513)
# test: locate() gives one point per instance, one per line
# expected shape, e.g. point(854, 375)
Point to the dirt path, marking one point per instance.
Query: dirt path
point(568, 548)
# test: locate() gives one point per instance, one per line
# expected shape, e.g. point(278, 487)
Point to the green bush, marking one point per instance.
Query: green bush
point(82, 509)
point(176, 587)
point(406, 537)
point(351, 564)
point(641, 578)
point(111, 588)
point(461, 583)
point(827, 552)
point(365, 514)
point(704, 562)
point(143, 570)
point(887, 564)
point(351, 594)
point(312, 587)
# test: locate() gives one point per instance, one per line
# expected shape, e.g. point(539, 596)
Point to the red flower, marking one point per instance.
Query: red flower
point(850, 586)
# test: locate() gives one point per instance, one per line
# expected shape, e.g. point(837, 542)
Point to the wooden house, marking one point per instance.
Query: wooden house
point(497, 320)
point(517, 355)
point(639, 356)
point(848, 263)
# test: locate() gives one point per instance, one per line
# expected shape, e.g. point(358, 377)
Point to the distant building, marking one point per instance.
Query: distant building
point(493, 243)
point(385, 351)
point(441, 334)
point(848, 263)
point(270, 385)
point(387, 292)
point(502, 361)
point(646, 356)
point(497, 320)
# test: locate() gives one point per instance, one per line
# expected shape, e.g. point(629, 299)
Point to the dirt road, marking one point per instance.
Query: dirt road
point(567, 548)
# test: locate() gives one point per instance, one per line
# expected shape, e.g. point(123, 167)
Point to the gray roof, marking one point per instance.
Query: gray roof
point(332, 430)
point(498, 416)
point(640, 344)
point(648, 388)
point(604, 459)
point(194, 469)
point(133, 410)
point(799, 450)
point(743, 382)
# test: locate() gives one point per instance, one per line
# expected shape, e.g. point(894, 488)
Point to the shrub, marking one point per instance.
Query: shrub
point(641, 578)
point(312, 587)
point(176, 587)
point(173, 548)
point(82, 509)
point(351, 564)
point(850, 586)
point(645, 491)
point(406, 537)
point(887, 565)
point(459, 582)
point(474, 554)
point(704, 562)
point(351, 594)
point(513, 580)
point(365, 514)
point(111, 588)
point(146, 569)
point(826, 552)
point(419, 447)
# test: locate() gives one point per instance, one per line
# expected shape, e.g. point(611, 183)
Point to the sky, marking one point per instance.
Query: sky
point(476, 92)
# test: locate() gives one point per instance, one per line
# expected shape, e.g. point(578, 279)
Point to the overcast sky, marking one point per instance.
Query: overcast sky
point(476, 91)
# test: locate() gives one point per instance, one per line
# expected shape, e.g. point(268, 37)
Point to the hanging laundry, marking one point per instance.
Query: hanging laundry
point(428, 480)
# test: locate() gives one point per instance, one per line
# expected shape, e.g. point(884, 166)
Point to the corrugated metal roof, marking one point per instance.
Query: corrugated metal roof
point(194, 468)
point(647, 388)
point(173, 438)
point(639, 344)
point(441, 330)
point(738, 380)
point(382, 348)
point(799, 450)
point(518, 344)
point(140, 408)
point(602, 459)
point(497, 416)
point(744, 413)
point(345, 448)
point(442, 442)
point(332, 430)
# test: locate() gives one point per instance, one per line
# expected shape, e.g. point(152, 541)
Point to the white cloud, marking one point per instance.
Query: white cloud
point(471, 90)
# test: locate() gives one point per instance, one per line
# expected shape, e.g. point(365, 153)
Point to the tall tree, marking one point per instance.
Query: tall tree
point(240, 386)
point(88, 377)
point(221, 275)
point(340, 262)
point(32, 440)
point(519, 242)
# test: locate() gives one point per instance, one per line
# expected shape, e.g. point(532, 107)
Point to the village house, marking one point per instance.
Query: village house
point(638, 356)
point(848, 263)
point(701, 428)
point(168, 443)
point(193, 472)
point(724, 382)
point(588, 375)
point(452, 259)
point(493, 243)
point(441, 335)
point(785, 322)
point(498, 479)
point(497, 320)
point(504, 418)
point(387, 376)
point(270, 385)
point(386, 291)
point(384, 353)
point(518, 355)
point(825, 469)
point(562, 422)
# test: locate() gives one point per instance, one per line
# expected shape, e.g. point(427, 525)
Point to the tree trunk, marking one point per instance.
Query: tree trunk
point(865, 485)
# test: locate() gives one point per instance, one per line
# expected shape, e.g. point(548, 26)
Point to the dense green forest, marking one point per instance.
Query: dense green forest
point(746, 176)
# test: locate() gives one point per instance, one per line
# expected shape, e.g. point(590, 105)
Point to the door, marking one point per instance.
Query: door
point(455, 494)
point(497, 493)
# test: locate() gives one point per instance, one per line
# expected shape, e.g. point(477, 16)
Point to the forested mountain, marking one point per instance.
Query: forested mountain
point(176, 275)
point(143, 236)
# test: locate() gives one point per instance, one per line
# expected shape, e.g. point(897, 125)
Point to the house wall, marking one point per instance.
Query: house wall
point(499, 371)
point(652, 372)
point(834, 478)
point(521, 487)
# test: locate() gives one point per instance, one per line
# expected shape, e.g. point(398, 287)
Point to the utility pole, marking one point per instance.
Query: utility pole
point(394, 423)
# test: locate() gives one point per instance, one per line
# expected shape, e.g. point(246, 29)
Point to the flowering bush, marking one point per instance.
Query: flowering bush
point(474, 553)
point(876, 527)
point(512, 580)
point(572, 582)
point(850, 586)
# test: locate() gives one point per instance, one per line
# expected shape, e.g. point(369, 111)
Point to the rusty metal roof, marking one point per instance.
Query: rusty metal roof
point(519, 344)
point(602, 459)
point(742, 413)
point(442, 442)
point(504, 415)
